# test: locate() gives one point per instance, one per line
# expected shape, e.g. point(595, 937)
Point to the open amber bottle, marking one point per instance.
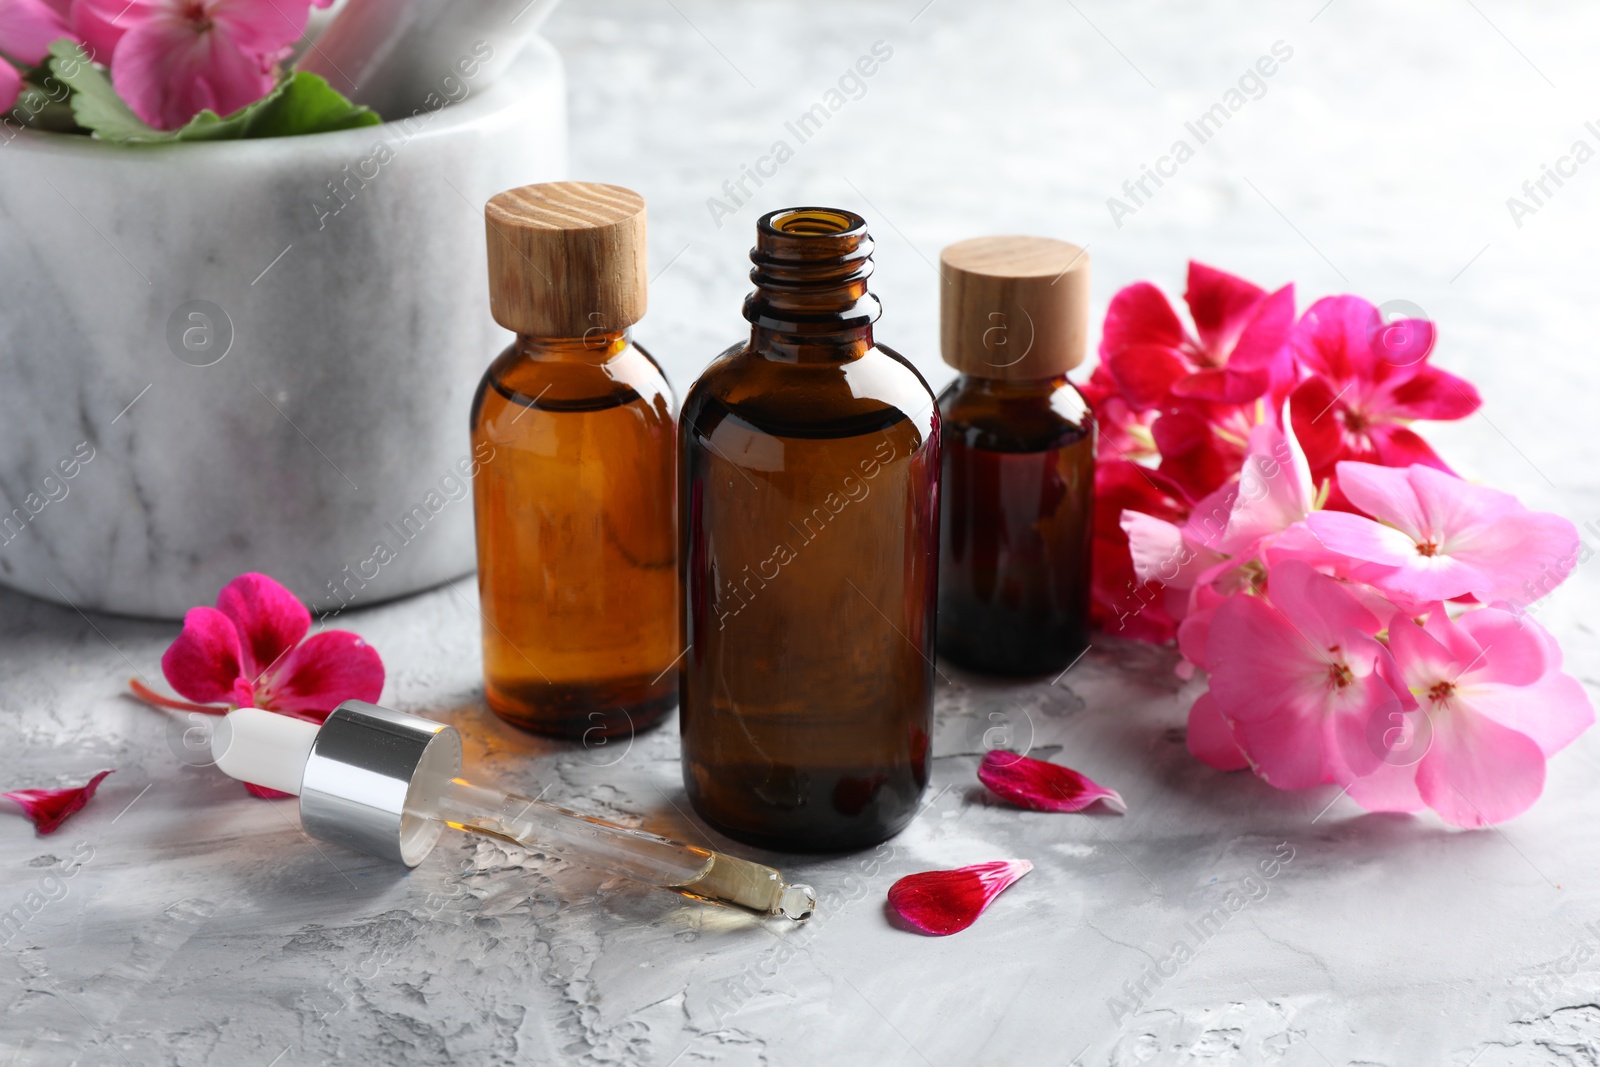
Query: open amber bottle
point(572, 427)
point(1018, 456)
point(809, 548)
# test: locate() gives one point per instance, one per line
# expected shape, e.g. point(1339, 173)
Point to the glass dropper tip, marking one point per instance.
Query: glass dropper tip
point(797, 901)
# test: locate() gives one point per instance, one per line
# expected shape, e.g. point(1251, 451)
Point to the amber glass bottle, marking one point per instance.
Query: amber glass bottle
point(577, 562)
point(1019, 453)
point(809, 550)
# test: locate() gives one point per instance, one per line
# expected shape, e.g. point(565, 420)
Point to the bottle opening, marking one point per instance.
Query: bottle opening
point(813, 222)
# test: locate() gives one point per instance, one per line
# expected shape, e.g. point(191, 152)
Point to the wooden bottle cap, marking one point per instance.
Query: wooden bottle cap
point(566, 258)
point(1014, 307)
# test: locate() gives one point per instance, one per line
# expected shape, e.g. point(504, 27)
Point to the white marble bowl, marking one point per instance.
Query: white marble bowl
point(255, 355)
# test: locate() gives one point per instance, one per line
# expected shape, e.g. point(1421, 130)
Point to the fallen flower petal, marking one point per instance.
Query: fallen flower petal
point(947, 902)
point(1041, 786)
point(49, 808)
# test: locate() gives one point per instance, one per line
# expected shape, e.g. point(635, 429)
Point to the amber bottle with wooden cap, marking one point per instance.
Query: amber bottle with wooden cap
point(573, 435)
point(809, 547)
point(1019, 451)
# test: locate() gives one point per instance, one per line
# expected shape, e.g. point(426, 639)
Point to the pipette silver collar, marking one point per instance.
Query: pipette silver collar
point(366, 768)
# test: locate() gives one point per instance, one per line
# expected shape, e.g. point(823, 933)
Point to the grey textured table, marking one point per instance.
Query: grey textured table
point(204, 928)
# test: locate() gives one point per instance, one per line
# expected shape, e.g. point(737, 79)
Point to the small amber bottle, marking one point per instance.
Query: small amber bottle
point(809, 548)
point(1019, 452)
point(572, 427)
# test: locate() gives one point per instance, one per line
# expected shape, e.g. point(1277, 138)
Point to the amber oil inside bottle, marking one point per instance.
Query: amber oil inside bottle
point(808, 481)
point(1017, 524)
point(577, 569)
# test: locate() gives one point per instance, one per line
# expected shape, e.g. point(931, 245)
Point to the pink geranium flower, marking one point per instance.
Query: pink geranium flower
point(100, 24)
point(29, 27)
point(1241, 350)
point(1297, 677)
point(184, 56)
point(1120, 601)
point(1432, 536)
point(251, 650)
point(1366, 381)
point(1124, 434)
point(1497, 705)
point(1222, 546)
point(1193, 396)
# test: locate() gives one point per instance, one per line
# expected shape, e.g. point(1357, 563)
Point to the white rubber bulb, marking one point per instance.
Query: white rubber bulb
point(263, 748)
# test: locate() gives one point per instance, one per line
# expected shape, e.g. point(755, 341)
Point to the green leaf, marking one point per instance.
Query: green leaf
point(95, 103)
point(301, 103)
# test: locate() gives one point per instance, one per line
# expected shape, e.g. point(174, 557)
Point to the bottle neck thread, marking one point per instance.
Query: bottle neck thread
point(596, 347)
point(811, 270)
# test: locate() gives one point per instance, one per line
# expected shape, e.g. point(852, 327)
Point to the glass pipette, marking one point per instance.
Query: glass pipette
point(386, 782)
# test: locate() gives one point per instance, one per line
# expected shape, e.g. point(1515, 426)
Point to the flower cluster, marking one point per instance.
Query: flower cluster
point(1357, 607)
point(169, 59)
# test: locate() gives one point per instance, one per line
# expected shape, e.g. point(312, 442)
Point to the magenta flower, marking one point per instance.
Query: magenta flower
point(1366, 380)
point(1432, 536)
point(1240, 353)
point(1496, 706)
point(251, 650)
point(1297, 677)
point(179, 57)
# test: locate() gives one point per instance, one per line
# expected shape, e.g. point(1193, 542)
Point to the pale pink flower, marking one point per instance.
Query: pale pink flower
point(1432, 536)
point(1297, 676)
point(29, 27)
point(100, 24)
point(185, 56)
point(1496, 705)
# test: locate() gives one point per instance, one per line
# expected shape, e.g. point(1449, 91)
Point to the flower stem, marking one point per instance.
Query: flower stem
point(150, 696)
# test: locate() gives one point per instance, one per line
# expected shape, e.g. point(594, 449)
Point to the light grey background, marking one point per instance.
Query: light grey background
point(206, 929)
